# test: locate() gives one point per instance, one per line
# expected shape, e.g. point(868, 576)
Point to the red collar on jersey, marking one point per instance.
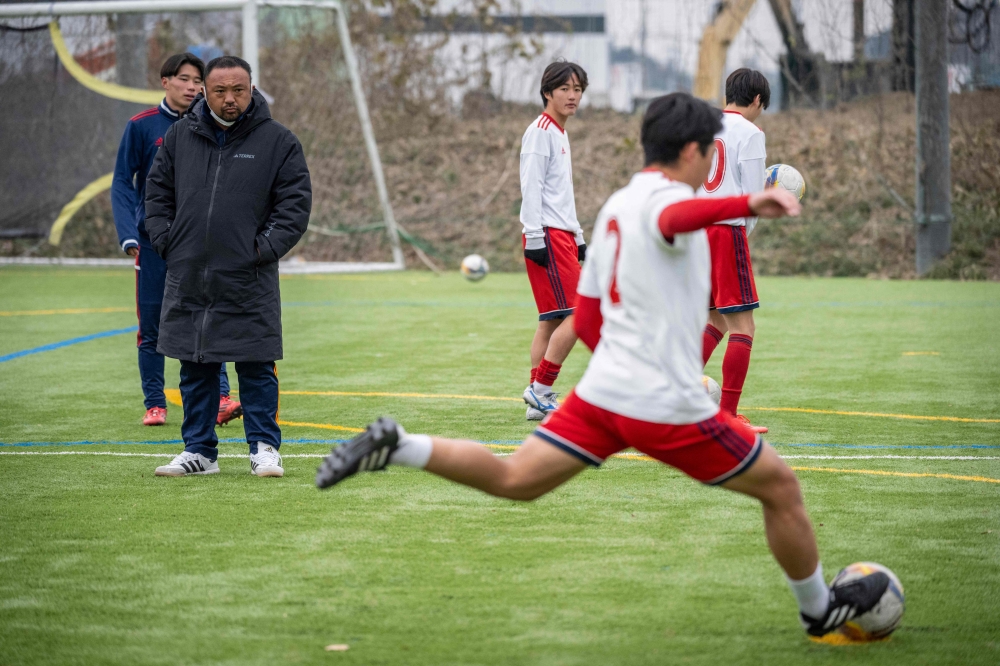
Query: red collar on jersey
point(554, 122)
point(730, 111)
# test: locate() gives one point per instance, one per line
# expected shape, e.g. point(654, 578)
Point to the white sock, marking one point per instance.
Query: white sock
point(540, 389)
point(812, 593)
point(412, 450)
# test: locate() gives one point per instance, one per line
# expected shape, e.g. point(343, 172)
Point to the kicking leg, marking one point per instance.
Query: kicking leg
point(533, 470)
point(791, 540)
point(789, 532)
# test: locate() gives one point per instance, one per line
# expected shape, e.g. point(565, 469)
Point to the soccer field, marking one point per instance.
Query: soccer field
point(885, 396)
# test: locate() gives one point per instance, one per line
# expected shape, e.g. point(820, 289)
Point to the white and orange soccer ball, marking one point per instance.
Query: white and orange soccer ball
point(881, 620)
point(474, 268)
point(713, 388)
point(786, 177)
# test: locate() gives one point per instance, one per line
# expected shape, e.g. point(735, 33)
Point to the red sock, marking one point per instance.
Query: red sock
point(734, 370)
point(534, 371)
point(710, 339)
point(547, 372)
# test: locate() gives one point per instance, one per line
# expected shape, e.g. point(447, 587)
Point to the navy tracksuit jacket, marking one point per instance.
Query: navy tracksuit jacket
point(142, 139)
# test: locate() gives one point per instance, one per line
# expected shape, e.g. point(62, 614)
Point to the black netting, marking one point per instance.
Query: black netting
point(56, 136)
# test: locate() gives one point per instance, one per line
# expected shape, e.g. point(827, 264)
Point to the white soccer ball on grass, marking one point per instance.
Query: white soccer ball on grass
point(881, 620)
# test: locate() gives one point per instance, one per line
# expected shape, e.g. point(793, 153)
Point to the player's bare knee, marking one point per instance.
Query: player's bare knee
point(785, 491)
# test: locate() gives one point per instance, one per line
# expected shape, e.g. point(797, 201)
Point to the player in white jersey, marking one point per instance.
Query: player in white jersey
point(552, 237)
point(641, 308)
point(738, 169)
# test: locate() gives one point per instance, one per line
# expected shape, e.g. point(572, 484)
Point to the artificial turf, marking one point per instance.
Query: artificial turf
point(100, 562)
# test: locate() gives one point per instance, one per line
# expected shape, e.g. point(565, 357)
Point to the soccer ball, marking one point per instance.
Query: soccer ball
point(881, 620)
point(788, 177)
point(474, 268)
point(712, 386)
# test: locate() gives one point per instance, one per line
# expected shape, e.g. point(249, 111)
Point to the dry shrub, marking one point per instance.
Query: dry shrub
point(858, 162)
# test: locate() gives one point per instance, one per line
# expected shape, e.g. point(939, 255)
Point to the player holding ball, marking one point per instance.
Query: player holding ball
point(738, 169)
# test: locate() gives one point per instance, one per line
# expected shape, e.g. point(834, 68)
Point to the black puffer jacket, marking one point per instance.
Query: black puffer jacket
point(221, 217)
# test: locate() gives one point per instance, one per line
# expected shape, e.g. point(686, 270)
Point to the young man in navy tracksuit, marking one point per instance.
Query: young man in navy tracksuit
point(181, 77)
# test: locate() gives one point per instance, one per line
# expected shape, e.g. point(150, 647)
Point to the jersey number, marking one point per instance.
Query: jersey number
point(616, 298)
point(715, 177)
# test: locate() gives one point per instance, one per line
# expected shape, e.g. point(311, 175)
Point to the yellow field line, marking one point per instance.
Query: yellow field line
point(910, 475)
point(379, 394)
point(23, 313)
point(923, 353)
point(913, 417)
point(385, 394)
point(324, 426)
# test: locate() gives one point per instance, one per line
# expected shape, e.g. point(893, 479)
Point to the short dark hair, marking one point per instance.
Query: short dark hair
point(228, 62)
point(178, 60)
point(675, 120)
point(559, 73)
point(743, 86)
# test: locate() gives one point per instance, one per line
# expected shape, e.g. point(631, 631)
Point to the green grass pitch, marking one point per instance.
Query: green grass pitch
point(102, 563)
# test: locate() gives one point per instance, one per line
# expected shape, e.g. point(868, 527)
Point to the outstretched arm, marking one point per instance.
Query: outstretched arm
point(693, 214)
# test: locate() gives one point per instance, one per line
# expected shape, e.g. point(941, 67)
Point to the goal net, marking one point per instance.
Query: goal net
point(72, 74)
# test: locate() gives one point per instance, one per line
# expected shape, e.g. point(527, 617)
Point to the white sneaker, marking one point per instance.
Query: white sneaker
point(544, 403)
point(188, 463)
point(533, 414)
point(266, 462)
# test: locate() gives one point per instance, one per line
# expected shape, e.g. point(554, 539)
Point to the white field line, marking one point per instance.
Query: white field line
point(122, 454)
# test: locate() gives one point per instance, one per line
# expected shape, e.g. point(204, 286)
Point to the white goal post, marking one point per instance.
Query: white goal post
point(250, 37)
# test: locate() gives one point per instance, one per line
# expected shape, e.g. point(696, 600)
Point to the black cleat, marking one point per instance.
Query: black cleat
point(367, 452)
point(847, 601)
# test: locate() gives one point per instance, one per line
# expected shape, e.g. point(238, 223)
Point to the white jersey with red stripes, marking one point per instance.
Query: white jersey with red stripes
point(739, 164)
point(547, 180)
point(654, 302)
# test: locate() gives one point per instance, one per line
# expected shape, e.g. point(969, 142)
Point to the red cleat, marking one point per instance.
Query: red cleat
point(155, 416)
point(760, 430)
point(229, 409)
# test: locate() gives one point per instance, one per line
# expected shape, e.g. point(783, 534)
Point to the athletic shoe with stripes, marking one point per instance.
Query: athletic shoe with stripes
point(544, 403)
point(188, 463)
point(533, 414)
point(267, 461)
point(847, 601)
point(367, 452)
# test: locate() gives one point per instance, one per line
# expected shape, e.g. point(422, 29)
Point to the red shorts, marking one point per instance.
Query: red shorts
point(733, 288)
point(711, 451)
point(554, 287)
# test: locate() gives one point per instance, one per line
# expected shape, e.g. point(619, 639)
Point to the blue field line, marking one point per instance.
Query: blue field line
point(67, 343)
point(885, 304)
point(155, 442)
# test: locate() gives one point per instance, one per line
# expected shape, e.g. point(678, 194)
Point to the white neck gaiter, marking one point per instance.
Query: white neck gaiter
point(224, 123)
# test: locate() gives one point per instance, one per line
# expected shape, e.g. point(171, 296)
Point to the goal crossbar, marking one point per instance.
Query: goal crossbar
point(250, 54)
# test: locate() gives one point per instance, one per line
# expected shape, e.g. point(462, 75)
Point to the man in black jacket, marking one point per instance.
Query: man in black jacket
point(227, 196)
